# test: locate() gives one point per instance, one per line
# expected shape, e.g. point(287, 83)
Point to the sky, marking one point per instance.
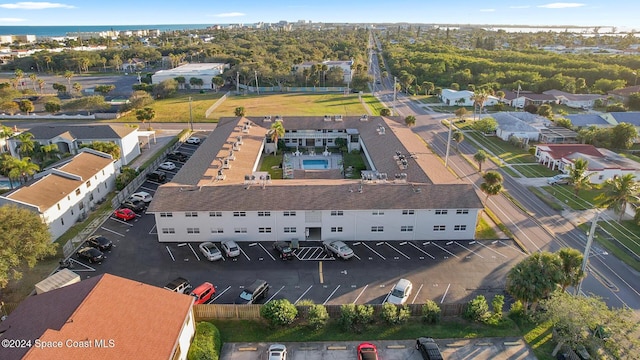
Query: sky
point(622, 14)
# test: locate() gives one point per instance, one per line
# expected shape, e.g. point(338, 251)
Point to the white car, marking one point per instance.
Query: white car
point(338, 248)
point(193, 140)
point(560, 179)
point(210, 251)
point(230, 248)
point(142, 196)
point(167, 166)
point(400, 292)
point(277, 352)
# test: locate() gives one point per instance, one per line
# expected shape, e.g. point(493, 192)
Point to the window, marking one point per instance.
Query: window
point(191, 214)
point(442, 212)
point(239, 213)
point(240, 230)
point(62, 221)
point(406, 228)
point(91, 197)
point(168, 230)
point(290, 229)
point(337, 213)
point(462, 212)
point(264, 213)
point(80, 206)
point(193, 230)
point(377, 212)
point(377, 228)
point(78, 192)
point(217, 230)
point(459, 227)
point(215, 213)
point(71, 211)
point(263, 230)
point(88, 184)
point(407, 212)
point(58, 206)
point(289, 213)
point(166, 214)
point(439, 227)
point(336, 229)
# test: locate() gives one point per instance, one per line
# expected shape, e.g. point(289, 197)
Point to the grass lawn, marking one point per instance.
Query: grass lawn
point(564, 193)
point(539, 337)
point(271, 164)
point(176, 109)
point(546, 198)
point(484, 230)
point(373, 103)
point(628, 234)
point(354, 160)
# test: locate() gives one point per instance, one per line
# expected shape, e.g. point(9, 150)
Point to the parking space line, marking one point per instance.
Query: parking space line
point(272, 296)
point(464, 247)
point(170, 253)
point(417, 292)
point(111, 231)
point(194, 252)
point(320, 271)
point(244, 253)
point(152, 232)
point(303, 294)
point(386, 297)
point(219, 294)
point(377, 253)
point(148, 189)
point(419, 249)
point(361, 292)
point(452, 254)
point(497, 252)
point(330, 295)
point(86, 267)
point(268, 253)
point(399, 252)
point(445, 294)
point(120, 221)
point(513, 247)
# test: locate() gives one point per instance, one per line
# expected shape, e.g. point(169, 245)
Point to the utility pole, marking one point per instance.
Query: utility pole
point(190, 115)
point(587, 249)
point(257, 86)
point(237, 82)
point(446, 156)
point(395, 79)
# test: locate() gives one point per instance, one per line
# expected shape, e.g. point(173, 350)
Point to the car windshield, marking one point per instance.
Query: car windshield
point(245, 295)
point(286, 249)
point(233, 248)
point(344, 249)
point(397, 293)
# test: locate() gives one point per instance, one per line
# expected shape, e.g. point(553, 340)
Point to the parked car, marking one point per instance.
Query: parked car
point(560, 179)
point(100, 242)
point(253, 293)
point(210, 251)
point(124, 214)
point(230, 248)
point(283, 249)
point(157, 176)
point(179, 285)
point(367, 351)
point(193, 140)
point(203, 293)
point(277, 352)
point(167, 165)
point(90, 254)
point(428, 349)
point(177, 155)
point(138, 206)
point(400, 292)
point(142, 196)
point(338, 248)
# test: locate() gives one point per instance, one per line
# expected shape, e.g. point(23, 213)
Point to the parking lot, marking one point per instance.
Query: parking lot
point(443, 271)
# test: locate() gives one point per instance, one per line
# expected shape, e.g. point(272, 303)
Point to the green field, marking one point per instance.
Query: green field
point(585, 200)
point(176, 109)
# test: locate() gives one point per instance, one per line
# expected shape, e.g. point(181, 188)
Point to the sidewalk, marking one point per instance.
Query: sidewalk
point(148, 150)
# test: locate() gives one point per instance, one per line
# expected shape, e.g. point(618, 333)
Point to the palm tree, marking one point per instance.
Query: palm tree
point(480, 157)
point(276, 132)
point(580, 179)
point(410, 120)
point(458, 137)
point(572, 273)
point(47, 60)
point(620, 191)
point(479, 98)
point(492, 184)
point(22, 169)
point(34, 80)
point(19, 74)
point(68, 75)
point(41, 84)
point(27, 145)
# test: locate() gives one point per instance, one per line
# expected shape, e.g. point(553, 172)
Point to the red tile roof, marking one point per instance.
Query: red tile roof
point(558, 151)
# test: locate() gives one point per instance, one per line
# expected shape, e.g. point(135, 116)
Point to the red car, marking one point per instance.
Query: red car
point(203, 293)
point(124, 214)
point(367, 351)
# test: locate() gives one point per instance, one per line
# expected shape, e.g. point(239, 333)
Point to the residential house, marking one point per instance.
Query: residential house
point(63, 195)
point(69, 139)
point(452, 97)
point(102, 317)
point(520, 124)
point(523, 98)
point(622, 95)
point(586, 120)
point(576, 101)
point(631, 117)
point(346, 67)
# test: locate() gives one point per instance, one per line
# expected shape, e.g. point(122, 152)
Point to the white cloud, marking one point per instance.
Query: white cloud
point(561, 5)
point(487, 10)
point(231, 14)
point(11, 20)
point(35, 6)
point(520, 7)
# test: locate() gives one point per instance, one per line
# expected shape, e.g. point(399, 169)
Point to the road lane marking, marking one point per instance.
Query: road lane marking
point(303, 294)
point(361, 292)
point(399, 252)
point(473, 252)
point(170, 253)
point(274, 295)
point(452, 254)
point(369, 247)
point(194, 252)
point(445, 294)
point(330, 295)
point(422, 251)
point(513, 247)
point(244, 253)
point(417, 292)
point(268, 253)
point(219, 294)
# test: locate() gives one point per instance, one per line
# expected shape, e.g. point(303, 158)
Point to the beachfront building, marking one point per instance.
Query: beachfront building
point(345, 66)
point(220, 193)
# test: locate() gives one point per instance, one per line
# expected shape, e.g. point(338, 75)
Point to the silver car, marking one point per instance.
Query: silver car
point(230, 248)
point(400, 293)
point(277, 352)
point(210, 251)
point(338, 248)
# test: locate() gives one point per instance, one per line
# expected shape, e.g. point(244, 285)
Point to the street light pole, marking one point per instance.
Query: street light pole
point(190, 115)
point(587, 249)
point(395, 79)
point(446, 156)
point(257, 86)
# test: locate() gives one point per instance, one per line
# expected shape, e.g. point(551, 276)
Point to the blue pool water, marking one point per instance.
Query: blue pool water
point(314, 164)
point(4, 184)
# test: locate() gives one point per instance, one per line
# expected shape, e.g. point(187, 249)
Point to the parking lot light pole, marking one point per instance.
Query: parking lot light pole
point(446, 156)
point(585, 257)
point(190, 115)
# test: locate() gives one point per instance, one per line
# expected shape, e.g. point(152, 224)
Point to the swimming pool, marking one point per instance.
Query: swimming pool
point(315, 164)
point(4, 184)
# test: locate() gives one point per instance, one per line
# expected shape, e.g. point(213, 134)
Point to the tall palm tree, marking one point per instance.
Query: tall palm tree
point(68, 75)
point(580, 179)
point(19, 74)
point(47, 60)
point(34, 80)
point(620, 191)
point(41, 84)
point(458, 137)
point(275, 133)
point(410, 120)
point(27, 144)
point(572, 273)
point(492, 184)
point(479, 98)
point(22, 169)
point(480, 157)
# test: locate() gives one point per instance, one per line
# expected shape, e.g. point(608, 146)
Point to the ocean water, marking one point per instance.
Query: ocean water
point(47, 31)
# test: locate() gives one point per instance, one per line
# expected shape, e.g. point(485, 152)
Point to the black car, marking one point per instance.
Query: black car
point(283, 249)
point(138, 206)
point(428, 349)
point(177, 155)
point(253, 293)
point(91, 254)
point(157, 176)
point(100, 242)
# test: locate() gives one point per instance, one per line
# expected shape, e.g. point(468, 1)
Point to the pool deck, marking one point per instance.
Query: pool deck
point(334, 160)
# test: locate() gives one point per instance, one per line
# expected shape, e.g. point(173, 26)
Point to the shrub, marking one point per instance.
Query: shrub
point(355, 317)
point(206, 342)
point(517, 310)
point(318, 316)
point(431, 312)
point(385, 112)
point(126, 175)
point(497, 304)
point(305, 302)
point(393, 314)
point(279, 312)
point(477, 309)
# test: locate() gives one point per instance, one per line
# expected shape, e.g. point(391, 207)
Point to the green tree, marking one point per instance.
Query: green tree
point(26, 106)
point(60, 88)
point(206, 343)
point(545, 110)
point(105, 147)
point(318, 316)
point(24, 239)
point(477, 309)
point(492, 184)
point(623, 135)
point(480, 157)
point(458, 137)
point(27, 145)
point(239, 111)
point(580, 178)
point(181, 81)
point(104, 89)
point(461, 113)
point(194, 81)
point(485, 125)
point(571, 265)
point(22, 169)
point(279, 312)
point(385, 112)
point(19, 75)
point(145, 115)
point(41, 85)
point(68, 75)
point(534, 278)
point(428, 87)
point(275, 133)
point(563, 122)
point(165, 89)
point(10, 107)
point(52, 105)
point(619, 192)
point(218, 81)
point(634, 101)
point(479, 98)
point(410, 120)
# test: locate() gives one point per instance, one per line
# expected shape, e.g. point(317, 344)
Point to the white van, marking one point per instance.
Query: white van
point(560, 179)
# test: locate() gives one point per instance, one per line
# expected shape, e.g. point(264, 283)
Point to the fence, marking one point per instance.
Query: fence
point(216, 104)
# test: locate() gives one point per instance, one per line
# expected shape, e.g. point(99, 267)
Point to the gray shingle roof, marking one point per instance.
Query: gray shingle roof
point(81, 131)
point(582, 120)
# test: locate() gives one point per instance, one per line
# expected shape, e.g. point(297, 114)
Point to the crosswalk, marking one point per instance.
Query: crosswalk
point(312, 253)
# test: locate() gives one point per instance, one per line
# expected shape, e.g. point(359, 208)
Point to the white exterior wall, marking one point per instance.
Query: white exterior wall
point(186, 335)
point(130, 148)
point(504, 135)
point(356, 225)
